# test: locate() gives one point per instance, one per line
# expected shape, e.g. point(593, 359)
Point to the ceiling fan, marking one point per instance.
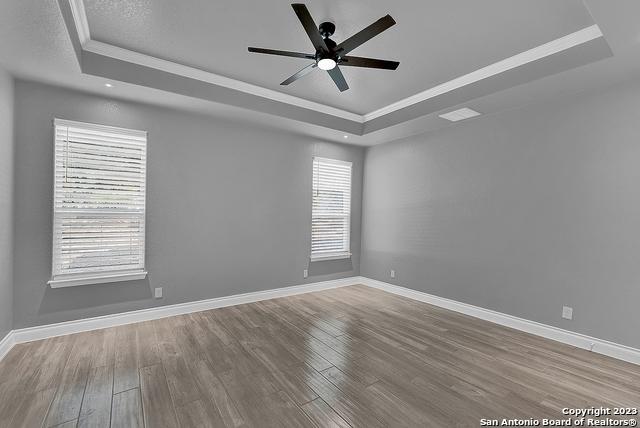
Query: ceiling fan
point(329, 55)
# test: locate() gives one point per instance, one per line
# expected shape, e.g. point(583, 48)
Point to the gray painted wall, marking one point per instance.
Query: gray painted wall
point(228, 207)
point(6, 203)
point(519, 212)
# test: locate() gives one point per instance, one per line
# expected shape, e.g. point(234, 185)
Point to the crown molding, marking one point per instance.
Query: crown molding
point(558, 45)
point(537, 53)
point(122, 54)
point(80, 20)
point(100, 48)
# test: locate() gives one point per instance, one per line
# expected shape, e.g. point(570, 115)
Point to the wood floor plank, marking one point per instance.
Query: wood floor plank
point(158, 408)
point(173, 357)
point(198, 414)
point(33, 409)
point(68, 400)
point(10, 363)
point(352, 356)
point(146, 344)
point(106, 348)
point(126, 410)
point(52, 366)
point(323, 415)
point(214, 390)
point(69, 424)
point(180, 381)
point(166, 337)
point(346, 403)
point(288, 413)
point(285, 377)
point(290, 338)
point(11, 398)
point(209, 320)
point(126, 359)
point(211, 346)
point(249, 393)
point(96, 404)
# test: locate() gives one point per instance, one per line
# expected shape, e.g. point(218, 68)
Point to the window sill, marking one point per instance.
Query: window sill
point(334, 256)
point(96, 279)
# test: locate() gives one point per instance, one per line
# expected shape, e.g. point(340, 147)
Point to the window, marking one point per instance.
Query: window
point(331, 209)
point(98, 204)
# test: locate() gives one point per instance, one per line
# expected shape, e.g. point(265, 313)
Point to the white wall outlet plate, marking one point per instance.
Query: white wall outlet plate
point(567, 312)
point(392, 273)
point(158, 293)
point(305, 273)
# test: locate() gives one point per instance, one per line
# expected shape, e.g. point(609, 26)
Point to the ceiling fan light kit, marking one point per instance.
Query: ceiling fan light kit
point(329, 55)
point(326, 64)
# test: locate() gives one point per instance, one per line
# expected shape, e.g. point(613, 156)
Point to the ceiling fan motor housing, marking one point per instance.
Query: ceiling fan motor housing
point(328, 55)
point(327, 29)
point(321, 54)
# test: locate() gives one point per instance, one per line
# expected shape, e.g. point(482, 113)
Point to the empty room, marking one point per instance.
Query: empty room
point(258, 213)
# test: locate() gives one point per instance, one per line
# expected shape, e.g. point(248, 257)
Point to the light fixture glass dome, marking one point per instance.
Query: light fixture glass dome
point(326, 64)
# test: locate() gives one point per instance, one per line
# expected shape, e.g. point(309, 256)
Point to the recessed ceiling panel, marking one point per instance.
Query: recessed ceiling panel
point(435, 41)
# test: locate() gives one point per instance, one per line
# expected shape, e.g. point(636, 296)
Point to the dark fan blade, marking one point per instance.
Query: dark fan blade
point(368, 33)
point(338, 78)
point(357, 61)
point(282, 53)
point(308, 69)
point(310, 26)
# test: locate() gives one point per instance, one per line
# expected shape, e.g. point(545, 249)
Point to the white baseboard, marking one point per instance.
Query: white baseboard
point(600, 346)
point(6, 344)
point(77, 326)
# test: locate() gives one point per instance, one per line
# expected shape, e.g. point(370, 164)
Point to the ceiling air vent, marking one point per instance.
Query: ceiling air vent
point(460, 114)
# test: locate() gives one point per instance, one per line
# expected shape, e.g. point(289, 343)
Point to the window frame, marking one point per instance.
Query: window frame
point(337, 255)
point(90, 278)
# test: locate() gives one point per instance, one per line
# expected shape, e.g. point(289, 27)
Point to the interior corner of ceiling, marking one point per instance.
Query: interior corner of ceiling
point(72, 31)
point(80, 20)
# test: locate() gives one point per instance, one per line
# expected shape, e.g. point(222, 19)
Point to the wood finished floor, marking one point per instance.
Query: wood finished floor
point(353, 356)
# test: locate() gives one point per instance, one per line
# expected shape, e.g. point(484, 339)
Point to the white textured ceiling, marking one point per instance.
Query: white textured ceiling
point(34, 41)
point(35, 45)
point(435, 41)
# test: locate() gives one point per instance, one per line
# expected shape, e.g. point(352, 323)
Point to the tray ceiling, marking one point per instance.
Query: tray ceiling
point(435, 41)
point(551, 49)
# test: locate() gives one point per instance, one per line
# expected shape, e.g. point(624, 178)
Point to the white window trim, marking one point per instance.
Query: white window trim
point(61, 281)
point(341, 255)
point(74, 280)
point(332, 256)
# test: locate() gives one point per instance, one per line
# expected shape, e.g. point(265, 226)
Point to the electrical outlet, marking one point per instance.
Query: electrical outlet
point(158, 293)
point(305, 273)
point(392, 273)
point(567, 312)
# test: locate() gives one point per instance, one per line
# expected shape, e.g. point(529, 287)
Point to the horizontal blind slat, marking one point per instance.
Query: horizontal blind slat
point(331, 206)
point(99, 199)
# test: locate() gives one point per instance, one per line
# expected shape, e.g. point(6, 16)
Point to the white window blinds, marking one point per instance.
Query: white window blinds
point(331, 209)
point(99, 204)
